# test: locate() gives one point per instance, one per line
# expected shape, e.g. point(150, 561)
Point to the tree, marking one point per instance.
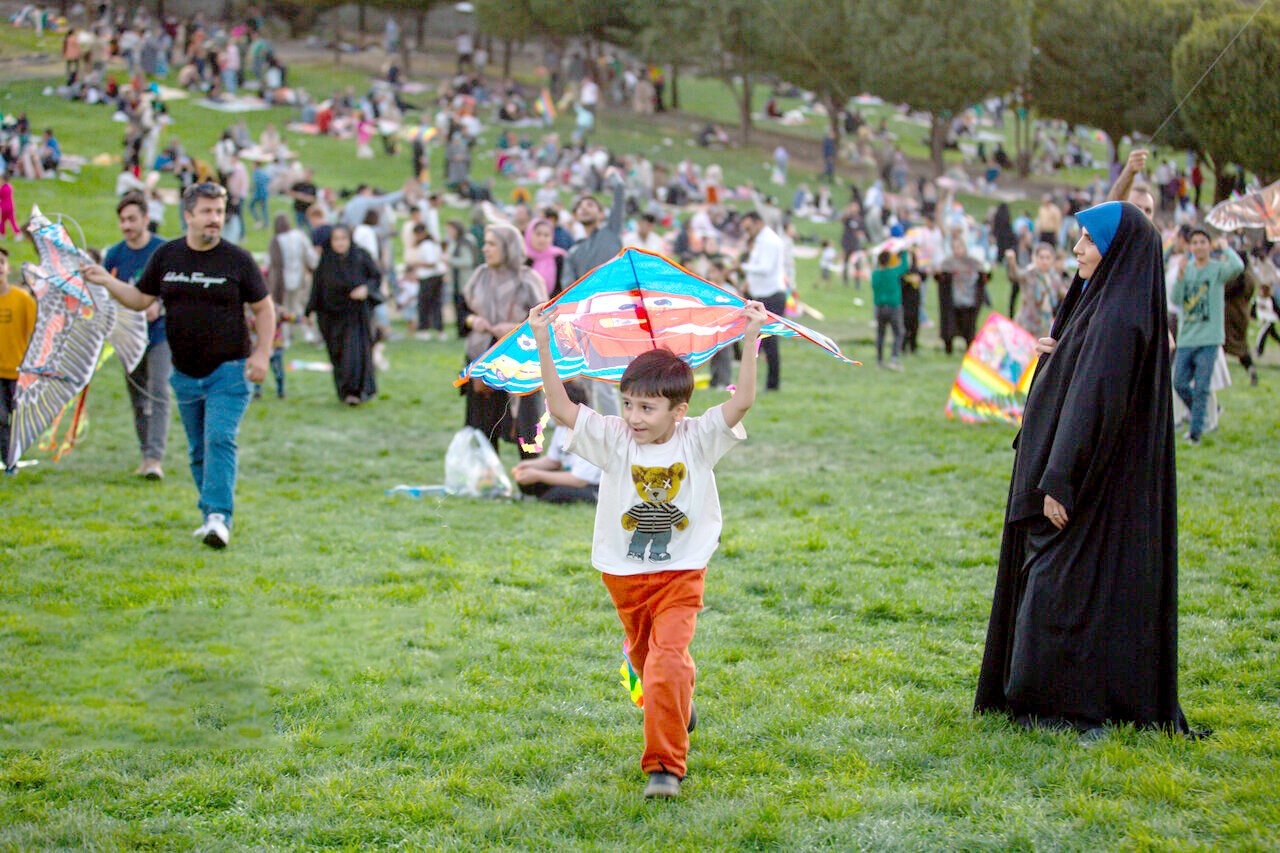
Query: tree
point(1235, 110)
point(1107, 63)
point(509, 20)
point(301, 16)
point(402, 11)
point(734, 48)
point(943, 56)
point(667, 34)
point(820, 46)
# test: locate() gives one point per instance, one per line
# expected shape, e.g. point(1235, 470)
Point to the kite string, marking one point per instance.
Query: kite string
point(1174, 112)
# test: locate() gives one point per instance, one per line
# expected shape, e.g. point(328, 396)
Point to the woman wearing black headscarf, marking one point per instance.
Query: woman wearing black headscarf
point(342, 299)
point(1006, 241)
point(1084, 622)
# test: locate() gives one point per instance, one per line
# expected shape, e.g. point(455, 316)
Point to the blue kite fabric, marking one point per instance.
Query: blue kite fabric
point(634, 303)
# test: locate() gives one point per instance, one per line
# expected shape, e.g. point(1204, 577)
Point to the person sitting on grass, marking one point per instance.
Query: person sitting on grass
point(560, 477)
point(657, 521)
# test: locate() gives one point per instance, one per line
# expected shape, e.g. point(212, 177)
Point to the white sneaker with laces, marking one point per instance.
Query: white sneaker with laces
point(200, 531)
point(216, 535)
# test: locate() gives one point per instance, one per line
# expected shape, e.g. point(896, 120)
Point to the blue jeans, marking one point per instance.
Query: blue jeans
point(1192, 372)
point(258, 210)
point(211, 410)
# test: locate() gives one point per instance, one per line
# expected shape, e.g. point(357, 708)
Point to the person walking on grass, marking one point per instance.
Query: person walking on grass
point(657, 521)
point(205, 282)
point(17, 322)
point(343, 293)
point(1198, 293)
point(765, 274)
point(148, 384)
point(886, 292)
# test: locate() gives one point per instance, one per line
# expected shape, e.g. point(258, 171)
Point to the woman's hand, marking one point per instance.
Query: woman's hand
point(480, 324)
point(1046, 346)
point(361, 293)
point(1055, 512)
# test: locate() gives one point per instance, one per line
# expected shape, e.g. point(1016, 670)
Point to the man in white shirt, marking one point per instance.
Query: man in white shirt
point(644, 237)
point(765, 270)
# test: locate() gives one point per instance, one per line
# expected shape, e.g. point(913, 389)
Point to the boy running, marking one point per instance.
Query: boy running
point(657, 521)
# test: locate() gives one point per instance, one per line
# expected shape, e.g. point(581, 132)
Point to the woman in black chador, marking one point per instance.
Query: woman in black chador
point(1084, 625)
point(342, 299)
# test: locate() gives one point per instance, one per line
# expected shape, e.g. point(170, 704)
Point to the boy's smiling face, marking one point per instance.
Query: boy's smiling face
point(652, 419)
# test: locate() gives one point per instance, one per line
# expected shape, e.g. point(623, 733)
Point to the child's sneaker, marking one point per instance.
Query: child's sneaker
point(661, 784)
point(216, 533)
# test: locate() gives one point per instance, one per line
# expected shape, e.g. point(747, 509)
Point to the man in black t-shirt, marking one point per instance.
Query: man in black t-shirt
point(205, 283)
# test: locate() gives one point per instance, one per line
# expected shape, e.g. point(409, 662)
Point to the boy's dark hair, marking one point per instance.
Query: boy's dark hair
point(1201, 231)
point(4, 251)
point(659, 373)
point(133, 198)
point(577, 391)
point(752, 216)
point(884, 257)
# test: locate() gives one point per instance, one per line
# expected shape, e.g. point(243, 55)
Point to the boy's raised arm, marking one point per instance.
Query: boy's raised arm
point(564, 410)
point(735, 408)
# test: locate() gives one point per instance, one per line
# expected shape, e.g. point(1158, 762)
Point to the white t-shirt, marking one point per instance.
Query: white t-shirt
point(676, 524)
point(572, 462)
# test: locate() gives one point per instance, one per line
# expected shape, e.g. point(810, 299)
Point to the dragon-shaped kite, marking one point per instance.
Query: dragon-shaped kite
point(74, 322)
point(1257, 209)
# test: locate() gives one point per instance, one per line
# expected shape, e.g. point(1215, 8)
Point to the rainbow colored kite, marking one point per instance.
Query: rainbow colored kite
point(546, 106)
point(634, 303)
point(995, 375)
point(414, 132)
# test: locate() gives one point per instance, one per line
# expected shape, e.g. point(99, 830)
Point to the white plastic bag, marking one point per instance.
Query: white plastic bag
point(472, 468)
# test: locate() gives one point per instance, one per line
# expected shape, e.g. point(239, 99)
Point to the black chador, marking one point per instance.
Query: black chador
point(345, 323)
point(1084, 622)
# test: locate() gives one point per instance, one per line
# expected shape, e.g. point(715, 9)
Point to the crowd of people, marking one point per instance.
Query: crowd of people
point(1116, 312)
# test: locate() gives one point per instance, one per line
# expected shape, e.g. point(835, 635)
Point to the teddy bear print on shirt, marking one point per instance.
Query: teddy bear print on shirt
point(655, 518)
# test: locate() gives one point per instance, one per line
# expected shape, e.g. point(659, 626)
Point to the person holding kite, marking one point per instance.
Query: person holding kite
point(1083, 628)
point(657, 519)
point(205, 283)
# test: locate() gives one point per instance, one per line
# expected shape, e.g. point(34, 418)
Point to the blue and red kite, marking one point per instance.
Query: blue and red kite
point(634, 303)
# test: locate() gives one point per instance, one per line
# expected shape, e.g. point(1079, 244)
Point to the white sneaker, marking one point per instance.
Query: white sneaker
point(216, 533)
point(200, 531)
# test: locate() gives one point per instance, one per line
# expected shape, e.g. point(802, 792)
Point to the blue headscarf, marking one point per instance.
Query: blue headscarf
point(1102, 222)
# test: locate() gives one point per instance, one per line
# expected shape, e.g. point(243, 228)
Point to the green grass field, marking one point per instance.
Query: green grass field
point(364, 672)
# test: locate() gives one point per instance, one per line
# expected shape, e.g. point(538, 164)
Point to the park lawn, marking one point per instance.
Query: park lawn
point(21, 41)
point(361, 671)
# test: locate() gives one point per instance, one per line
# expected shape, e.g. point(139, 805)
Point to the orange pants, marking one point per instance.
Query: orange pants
point(659, 612)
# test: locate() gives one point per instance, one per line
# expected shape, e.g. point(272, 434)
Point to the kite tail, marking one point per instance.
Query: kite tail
point(69, 441)
point(79, 425)
point(631, 681)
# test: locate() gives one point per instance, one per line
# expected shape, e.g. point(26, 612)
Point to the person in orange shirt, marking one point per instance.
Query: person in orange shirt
point(17, 321)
